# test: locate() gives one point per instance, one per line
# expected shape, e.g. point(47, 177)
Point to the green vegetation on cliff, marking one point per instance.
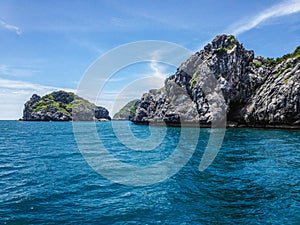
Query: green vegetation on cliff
point(278, 60)
point(295, 54)
point(128, 111)
point(66, 102)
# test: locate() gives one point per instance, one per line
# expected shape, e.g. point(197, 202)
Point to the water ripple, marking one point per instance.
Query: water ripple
point(44, 179)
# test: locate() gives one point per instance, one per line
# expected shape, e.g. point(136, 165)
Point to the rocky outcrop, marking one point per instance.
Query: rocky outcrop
point(276, 101)
point(62, 106)
point(224, 81)
point(128, 111)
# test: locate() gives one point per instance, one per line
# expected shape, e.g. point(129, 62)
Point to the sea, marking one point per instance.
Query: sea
point(46, 177)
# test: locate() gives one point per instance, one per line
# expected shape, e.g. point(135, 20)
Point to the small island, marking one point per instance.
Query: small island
point(62, 106)
point(128, 111)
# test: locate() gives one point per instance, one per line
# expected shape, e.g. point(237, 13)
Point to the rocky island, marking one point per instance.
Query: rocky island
point(256, 91)
point(128, 111)
point(62, 106)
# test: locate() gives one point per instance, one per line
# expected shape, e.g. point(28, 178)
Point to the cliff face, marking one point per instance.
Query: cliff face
point(224, 81)
point(62, 106)
point(277, 100)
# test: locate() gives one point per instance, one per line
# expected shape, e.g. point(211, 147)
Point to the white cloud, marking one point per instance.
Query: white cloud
point(13, 95)
point(157, 69)
point(22, 85)
point(10, 27)
point(153, 78)
point(114, 101)
point(134, 90)
point(283, 9)
point(17, 71)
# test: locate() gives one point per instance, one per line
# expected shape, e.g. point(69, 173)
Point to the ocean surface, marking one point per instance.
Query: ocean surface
point(45, 179)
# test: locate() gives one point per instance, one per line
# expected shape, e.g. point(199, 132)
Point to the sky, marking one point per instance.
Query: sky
point(49, 45)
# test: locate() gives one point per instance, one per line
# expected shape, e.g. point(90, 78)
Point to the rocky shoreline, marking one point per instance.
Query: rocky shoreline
point(228, 125)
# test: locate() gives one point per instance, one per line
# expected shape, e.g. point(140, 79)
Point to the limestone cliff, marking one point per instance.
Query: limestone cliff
point(224, 81)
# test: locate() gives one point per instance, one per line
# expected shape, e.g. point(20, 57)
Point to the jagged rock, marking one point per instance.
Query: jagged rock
point(128, 111)
point(28, 106)
point(101, 113)
point(276, 102)
point(224, 81)
point(62, 106)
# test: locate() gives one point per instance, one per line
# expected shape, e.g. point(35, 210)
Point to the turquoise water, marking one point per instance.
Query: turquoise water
point(44, 179)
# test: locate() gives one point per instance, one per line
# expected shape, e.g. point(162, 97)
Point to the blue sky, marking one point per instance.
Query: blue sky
point(48, 45)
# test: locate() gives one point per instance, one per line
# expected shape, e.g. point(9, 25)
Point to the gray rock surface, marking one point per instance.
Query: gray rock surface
point(224, 81)
point(276, 101)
